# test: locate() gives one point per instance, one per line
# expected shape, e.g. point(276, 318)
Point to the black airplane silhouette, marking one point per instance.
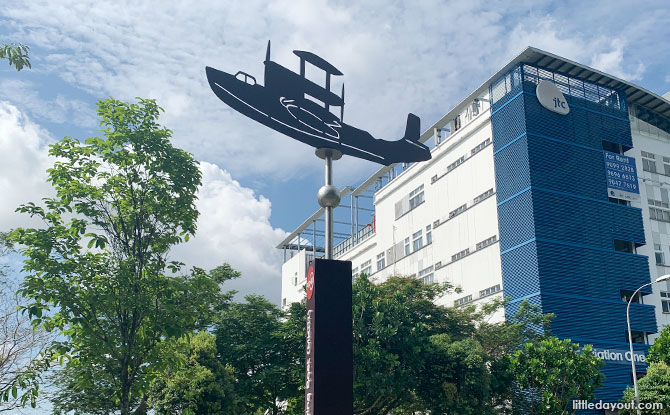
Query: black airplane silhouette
point(282, 105)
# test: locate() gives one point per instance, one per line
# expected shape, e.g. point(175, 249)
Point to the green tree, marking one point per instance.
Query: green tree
point(411, 355)
point(654, 387)
point(22, 349)
point(265, 349)
point(660, 350)
point(98, 270)
point(201, 385)
point(16, 54)
point(551, 373)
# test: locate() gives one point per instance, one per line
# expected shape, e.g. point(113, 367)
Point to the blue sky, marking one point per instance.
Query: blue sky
point(397, 57)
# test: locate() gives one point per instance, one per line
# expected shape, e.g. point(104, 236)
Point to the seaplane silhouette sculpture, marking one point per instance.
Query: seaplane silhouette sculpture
point(282, 105)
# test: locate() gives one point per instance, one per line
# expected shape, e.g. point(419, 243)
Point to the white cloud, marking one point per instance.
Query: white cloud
point(59, 110)
point(23, 164)
point(234, 223)
point(397, 57)
point(234, 227)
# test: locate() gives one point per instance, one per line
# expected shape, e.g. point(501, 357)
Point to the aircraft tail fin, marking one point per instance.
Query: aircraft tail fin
point(413, 128)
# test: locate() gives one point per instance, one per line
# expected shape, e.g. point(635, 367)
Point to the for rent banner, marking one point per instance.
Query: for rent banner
point(621, 176)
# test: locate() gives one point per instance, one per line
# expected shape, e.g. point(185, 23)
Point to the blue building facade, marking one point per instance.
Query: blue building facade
point(566, 246)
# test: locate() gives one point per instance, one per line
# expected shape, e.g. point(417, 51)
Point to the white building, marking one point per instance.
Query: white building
point(514, 192)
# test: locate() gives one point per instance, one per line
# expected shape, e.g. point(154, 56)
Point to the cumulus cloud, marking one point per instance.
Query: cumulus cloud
point(23, 164)
point(234, 227)
point(397, 57)
point(234, 223)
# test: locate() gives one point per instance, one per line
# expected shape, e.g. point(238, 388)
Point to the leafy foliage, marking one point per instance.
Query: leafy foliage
point(553, 372)
point(266, 350)
point(201, 385)
point(97, 270)
point(654, 387)
point(16, 54)
point(660, 350)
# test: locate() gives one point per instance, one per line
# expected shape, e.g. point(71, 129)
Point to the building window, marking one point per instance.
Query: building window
point(407, 250)
point(463, 300)
point(354, 273)
point(295, 279)
point(381, 261)
point(660, 258)
point(626, 296)
point(624, 246)
point(661, 215)
point(455, 164)
point(458, 211)
point(639, 337)
point(483, 244)
point(649, 162)
point(481, 146)
point(665, 301)
point(460, 255)
point(283, 302)
point(658, 203)
point(429, 235)
point(483, 196)
point(417, 241)
point(489, 291)
point(416, 197)
point(366, 267)
point(426, 275)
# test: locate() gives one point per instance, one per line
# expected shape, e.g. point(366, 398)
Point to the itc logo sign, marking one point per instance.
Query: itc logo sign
point(551, 98)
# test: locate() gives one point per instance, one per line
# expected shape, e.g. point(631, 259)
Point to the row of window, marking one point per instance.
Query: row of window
point(480, 245)
point(483, 293)
point(417, 243)
point(417, 240)
point(479, 147)
point(480, 198)
point(409, 202)
point(483, 196)
point(649, 163)
point(659, 214)
point(416, 197)
point(456, 164)
point(460, 255)
point(487, 242)
point(426, 275)
point(463, 300)
point(658, 203)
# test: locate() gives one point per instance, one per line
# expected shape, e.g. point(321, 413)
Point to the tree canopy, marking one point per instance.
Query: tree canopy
point(98, 270)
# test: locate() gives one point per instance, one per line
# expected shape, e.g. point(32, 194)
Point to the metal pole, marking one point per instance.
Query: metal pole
point(632, 356)
point(328, 196)
point(329, 209)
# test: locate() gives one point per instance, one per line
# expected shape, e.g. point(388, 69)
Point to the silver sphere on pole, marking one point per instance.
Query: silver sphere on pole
point(328, 196)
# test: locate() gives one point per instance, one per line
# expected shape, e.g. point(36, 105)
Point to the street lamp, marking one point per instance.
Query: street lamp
point(665, 277)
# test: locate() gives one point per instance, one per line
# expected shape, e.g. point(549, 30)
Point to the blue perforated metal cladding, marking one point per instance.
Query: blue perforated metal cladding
point(557, 226)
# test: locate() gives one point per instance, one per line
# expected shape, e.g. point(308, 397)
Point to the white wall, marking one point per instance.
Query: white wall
point(657, 187)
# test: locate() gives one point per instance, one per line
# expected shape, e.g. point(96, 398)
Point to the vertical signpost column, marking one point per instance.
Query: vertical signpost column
point(329, 376)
